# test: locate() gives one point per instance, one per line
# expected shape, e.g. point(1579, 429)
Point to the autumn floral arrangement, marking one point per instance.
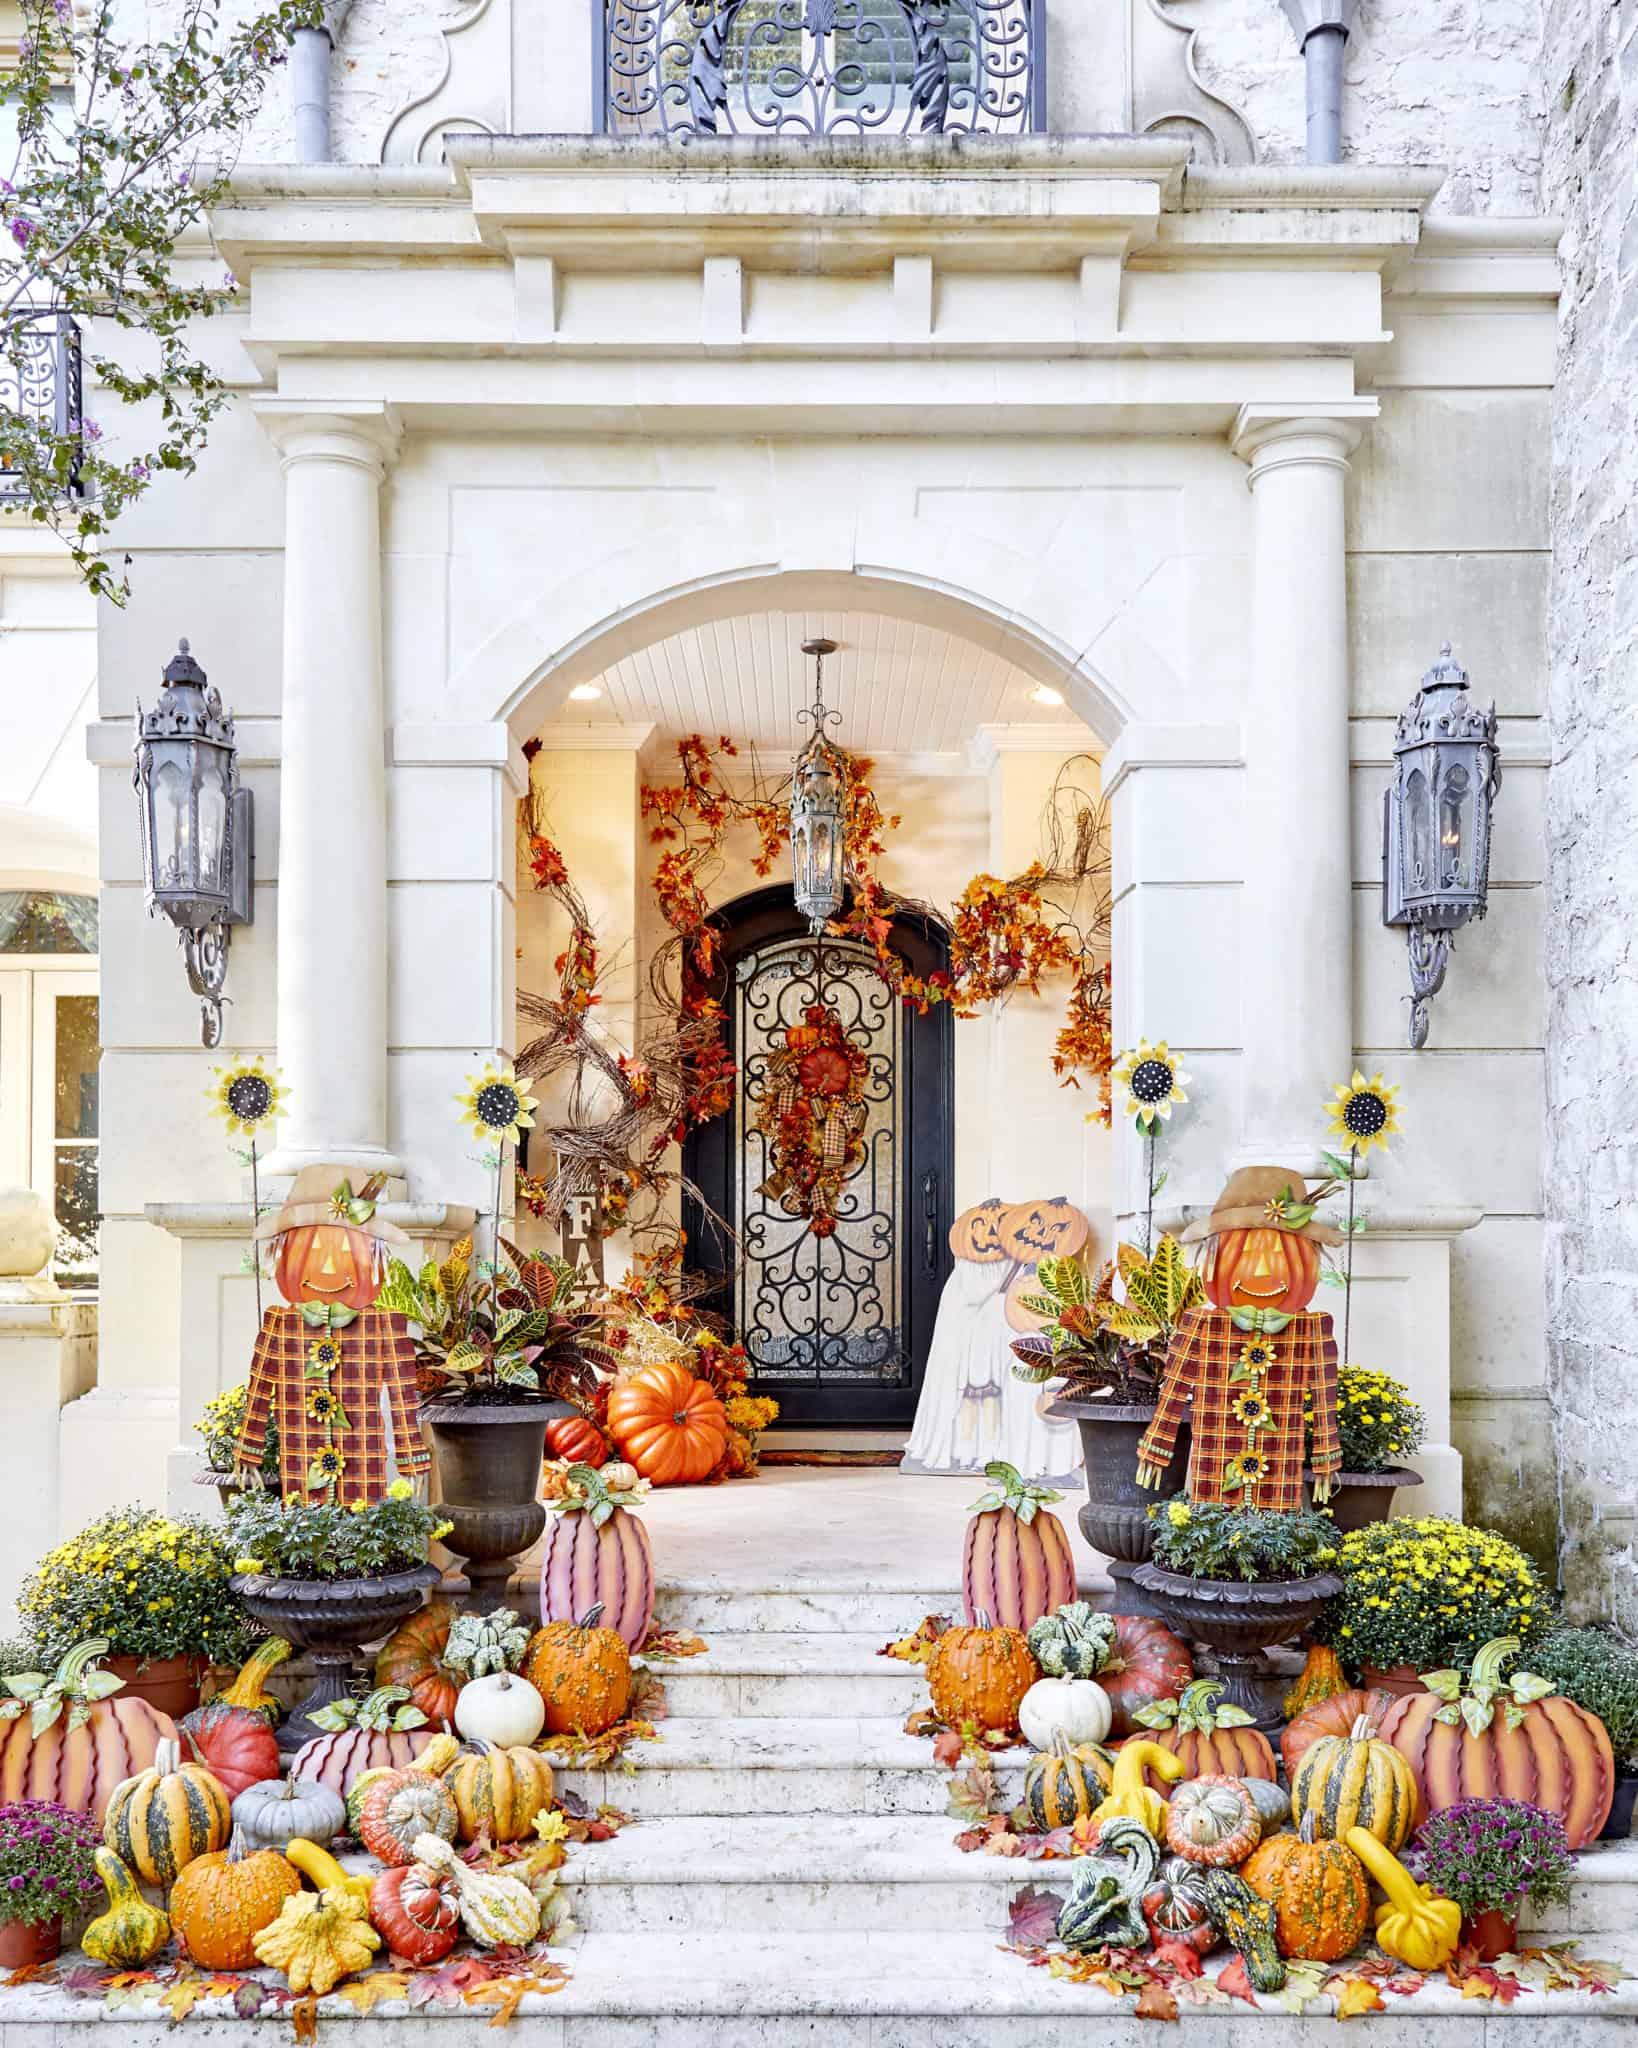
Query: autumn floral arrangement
point(1490, 1855)
point(152, 1585)
point(47, 1866)
point(330, 1541)
point(1211, 1540)
point(1430, 1592)
point(811, 1116)
point(1378, 1424)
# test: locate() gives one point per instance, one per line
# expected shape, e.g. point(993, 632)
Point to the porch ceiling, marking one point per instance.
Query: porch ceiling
point(902, 687)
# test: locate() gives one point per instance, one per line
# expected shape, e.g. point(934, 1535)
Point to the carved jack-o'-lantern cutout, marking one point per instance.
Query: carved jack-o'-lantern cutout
point(1032, 1231)
point(333, 1262)
point(975, 1234)
point(1262, 1268)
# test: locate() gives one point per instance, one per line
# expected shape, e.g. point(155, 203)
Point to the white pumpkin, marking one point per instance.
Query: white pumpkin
point(503, 1709)
point(1075, 1708)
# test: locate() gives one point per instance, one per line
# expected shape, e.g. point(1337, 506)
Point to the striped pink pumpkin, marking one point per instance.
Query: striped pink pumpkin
point(336, 1760)
point(584, 1565)
point(1016, 1571)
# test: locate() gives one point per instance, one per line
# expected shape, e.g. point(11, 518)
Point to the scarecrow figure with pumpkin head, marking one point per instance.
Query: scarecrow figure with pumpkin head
point(324, 1360)
point(1248, 1361)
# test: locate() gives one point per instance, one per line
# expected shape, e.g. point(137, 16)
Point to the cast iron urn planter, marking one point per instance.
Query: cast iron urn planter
point(1362, 1498)
point(1115, 1519)
point(489, 1459)
point(1239, 1620)
point(331, 1619)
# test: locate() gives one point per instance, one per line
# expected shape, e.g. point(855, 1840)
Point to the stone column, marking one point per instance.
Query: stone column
point(1296, 914)
point(332, 965)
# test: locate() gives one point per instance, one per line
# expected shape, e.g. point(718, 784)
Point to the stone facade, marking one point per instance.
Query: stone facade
point(1592, 803)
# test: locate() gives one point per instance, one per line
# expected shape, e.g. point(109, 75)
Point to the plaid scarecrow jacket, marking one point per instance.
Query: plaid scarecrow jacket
point(1247, 1392)
point(324, 1389)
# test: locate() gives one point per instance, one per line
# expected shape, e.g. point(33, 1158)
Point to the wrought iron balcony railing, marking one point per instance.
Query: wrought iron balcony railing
point(682, 68)
point(40, 378)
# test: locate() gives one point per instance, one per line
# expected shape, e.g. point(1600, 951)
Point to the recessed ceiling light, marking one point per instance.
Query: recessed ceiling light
point(588, 693)
point(1042, 695)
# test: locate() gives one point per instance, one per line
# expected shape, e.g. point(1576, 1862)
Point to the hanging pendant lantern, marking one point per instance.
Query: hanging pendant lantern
point(1436, 826)
point(818, 796)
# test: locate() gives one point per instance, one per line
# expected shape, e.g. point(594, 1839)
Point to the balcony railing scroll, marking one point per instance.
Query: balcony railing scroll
point(686, 68)
point(40, 378)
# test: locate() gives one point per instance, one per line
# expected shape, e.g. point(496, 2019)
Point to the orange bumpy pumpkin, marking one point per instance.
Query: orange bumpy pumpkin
point(1262, 1268)
point(669, 1424)
point(1211, 1740)
point(582, 1673)
point(328, 1262)
point(1531, 1744)
point(413, 1657)
point(221, 1902)
point(981, 1674)
point(1321, 1900)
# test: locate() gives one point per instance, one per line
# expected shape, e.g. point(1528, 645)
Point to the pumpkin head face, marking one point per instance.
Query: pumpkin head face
point(975, 1235)
point(668, 1424)
point(1032, 1231)
point(334, 1262)
point(1263, 1268)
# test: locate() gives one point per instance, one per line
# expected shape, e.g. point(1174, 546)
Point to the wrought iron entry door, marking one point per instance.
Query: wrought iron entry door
point(837, 1327)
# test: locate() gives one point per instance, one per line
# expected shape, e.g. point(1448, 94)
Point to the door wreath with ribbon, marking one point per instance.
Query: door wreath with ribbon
point(812, 1115)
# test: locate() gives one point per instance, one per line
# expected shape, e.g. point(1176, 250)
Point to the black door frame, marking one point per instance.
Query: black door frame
point(927, 1090)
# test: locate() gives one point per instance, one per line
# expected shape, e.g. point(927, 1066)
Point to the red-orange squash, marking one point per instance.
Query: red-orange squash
point(413, 1656)
point(668, 1424)
point(577, 1438)
point(1333, 1716)
point(416, 1909)
point(328, 1262)
point(235, 1744)
point(1558, 1757)
point(1148, 1663)
point(1262, 1268)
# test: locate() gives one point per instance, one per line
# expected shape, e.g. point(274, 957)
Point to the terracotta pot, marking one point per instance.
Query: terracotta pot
point(1362, 1498)
point(1493, 1933)
point(170, 1685)
point(1115, 1519)
point(23, 1943)
point(1240, 1620)
point(1402, 1680)
point(332, 1620)
point(489, 1461)
point(1619, 1825)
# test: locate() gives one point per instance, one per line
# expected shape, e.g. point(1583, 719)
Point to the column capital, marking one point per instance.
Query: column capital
point(367, 435)
point(1272, 436)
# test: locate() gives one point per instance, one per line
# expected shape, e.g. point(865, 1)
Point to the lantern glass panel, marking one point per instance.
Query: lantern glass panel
point(172, 786)
point(1418, 832)
point(1455, 800)
point(213, 812)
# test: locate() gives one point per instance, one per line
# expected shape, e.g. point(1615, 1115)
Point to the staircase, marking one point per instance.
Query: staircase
point(793, 1875)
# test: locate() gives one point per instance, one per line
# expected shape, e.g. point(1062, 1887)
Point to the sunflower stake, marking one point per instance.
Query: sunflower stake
point(1153, 1078)
point(1366, 1113)
point(246, 1097)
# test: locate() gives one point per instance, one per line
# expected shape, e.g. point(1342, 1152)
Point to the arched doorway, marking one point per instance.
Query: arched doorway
point(837, 1327)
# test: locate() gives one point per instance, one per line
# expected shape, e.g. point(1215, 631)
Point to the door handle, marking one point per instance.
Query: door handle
point(929, 1211)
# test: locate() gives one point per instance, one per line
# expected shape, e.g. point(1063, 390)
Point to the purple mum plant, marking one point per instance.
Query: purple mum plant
point(1489, 1855)
point(47, 1866)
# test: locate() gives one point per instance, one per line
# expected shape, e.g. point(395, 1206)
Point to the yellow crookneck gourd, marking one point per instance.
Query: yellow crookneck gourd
point(131, 1932)
point(1129, 1796)
point(319, 1938)
point(1416, 1927)
point(247, 1689)
point(324, 1873)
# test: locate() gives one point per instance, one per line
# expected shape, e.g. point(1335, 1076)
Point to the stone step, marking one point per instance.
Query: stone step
point(842, 1874)
point(792, 1676)
point(734, 1765)
point(710, 1607)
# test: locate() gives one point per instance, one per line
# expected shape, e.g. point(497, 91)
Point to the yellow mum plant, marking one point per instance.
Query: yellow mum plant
point(1430, 1594)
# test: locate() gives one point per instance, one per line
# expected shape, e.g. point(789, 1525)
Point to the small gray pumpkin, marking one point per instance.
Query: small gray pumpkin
point(285, 1810)
point(1273, 1802)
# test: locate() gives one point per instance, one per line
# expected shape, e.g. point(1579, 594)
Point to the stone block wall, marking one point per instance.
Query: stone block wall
point(1591, 180)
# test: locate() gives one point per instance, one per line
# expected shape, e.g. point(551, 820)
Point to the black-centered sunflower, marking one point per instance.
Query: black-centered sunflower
point(1153, 1078)
point(1364, 1113)
point(497, 1105)
point(246, 1095)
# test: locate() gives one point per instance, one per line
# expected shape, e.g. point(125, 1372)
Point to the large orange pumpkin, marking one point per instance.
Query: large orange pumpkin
point(1261, 1268)
point(328, 1262)
point(1558, 1755)
point(668, 1424)
point(413, 1656)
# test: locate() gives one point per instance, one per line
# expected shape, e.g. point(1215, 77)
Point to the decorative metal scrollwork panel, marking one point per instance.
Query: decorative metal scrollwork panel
point(808, 1307)
point(40, 379)
point(823, 67)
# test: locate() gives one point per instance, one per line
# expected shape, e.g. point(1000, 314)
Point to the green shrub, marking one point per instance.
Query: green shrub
point(1598, 1672)
point(1210, 1540)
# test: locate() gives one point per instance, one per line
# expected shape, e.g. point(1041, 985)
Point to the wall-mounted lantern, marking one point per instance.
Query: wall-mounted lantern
point(1436, 825)
point(197, 844)
point(818, 795)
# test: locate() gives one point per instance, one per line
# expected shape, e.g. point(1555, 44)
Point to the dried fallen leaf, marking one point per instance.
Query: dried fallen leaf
point(304, 2019)
point(947, 1749)
point(1155, 2002)
point(669, 1642)
point(1032, 1918)
point(1232, 1978)
point(1356, 1995)
point(380, 1987)
point(1178, 1958)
